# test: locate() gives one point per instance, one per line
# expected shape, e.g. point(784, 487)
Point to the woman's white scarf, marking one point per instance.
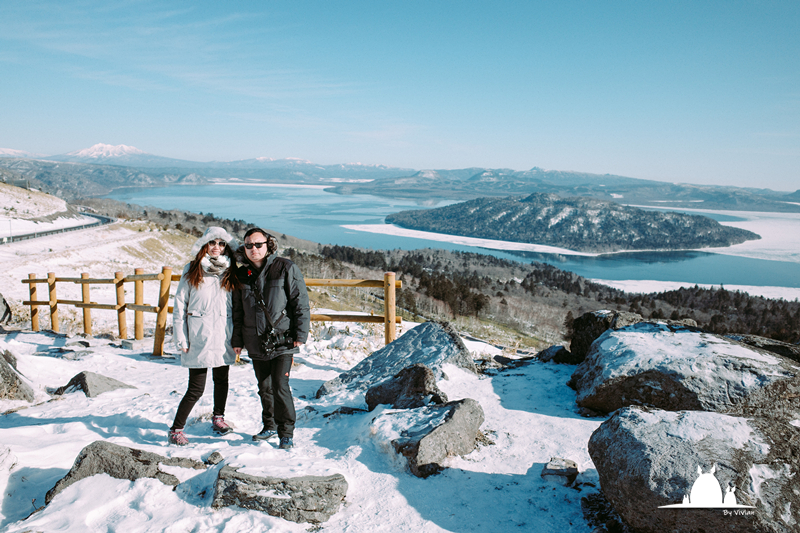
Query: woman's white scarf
point(215, 265)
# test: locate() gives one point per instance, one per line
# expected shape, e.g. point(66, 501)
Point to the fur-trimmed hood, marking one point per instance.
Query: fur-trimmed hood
point(211, 234)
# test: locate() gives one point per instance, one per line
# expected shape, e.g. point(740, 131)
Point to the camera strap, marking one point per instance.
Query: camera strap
point(263, 306)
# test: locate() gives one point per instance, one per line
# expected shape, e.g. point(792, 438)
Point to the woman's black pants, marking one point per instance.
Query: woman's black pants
point(197, 384)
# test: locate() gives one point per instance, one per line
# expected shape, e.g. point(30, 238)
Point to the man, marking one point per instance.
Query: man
point(271, 318)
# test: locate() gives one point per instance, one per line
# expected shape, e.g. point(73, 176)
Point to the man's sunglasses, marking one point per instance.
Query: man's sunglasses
point(249, 245)
point(221, 244)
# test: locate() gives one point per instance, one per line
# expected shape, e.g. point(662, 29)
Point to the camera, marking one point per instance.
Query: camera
point(274, 340)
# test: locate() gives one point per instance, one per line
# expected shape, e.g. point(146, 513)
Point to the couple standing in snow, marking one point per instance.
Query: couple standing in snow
point(229, 298)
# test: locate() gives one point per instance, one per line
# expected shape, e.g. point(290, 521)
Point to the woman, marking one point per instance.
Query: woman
point(202, 326)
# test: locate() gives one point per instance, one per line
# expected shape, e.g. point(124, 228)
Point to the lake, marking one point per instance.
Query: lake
point(312, 214)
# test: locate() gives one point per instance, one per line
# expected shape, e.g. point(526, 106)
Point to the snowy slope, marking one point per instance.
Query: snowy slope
point(529, 416)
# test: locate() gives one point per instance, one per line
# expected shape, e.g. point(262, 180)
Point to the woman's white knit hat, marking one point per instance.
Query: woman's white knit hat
point(211, 234)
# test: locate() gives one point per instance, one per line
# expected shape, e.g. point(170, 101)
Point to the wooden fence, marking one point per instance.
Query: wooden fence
point(162, 307)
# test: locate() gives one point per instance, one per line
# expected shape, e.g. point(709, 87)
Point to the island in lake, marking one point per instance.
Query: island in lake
point(577, 223)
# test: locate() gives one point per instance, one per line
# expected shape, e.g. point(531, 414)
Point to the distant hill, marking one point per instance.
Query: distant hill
point(121, 165)
point(578, 223)
point(793, 197)
point(464, 184)
point(78, 180)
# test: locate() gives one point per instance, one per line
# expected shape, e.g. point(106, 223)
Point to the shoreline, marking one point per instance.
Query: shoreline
point(477, 242)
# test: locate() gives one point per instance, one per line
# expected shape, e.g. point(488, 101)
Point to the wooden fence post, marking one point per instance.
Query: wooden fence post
point(87, 313)
point(138, 299)
point(389, 312)
point(34, 308)
point(163, 307)
point(51, 286)
point(122, 320)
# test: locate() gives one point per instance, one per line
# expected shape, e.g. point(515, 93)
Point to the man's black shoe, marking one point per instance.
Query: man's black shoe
point(266, 434)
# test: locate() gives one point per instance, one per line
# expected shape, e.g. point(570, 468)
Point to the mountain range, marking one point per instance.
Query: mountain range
point(102, 167)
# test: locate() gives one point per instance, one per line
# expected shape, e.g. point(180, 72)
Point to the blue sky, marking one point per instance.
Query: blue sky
point(693, 91)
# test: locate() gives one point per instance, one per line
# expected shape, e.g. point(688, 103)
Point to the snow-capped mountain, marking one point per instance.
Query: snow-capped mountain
point(101, 150)
point(10, 152)
point(122, 155)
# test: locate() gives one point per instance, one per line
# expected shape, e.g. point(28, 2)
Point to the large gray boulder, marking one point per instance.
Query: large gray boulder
point(589, 326)
point(556, 354)
point(429, 435)
point(12, 387)
point(791, 351)
point(92, 384)
point(647, 459)
point(431, 344)
point(412, 387)
point(678, 368)
point(302, 499)
point(120, 462)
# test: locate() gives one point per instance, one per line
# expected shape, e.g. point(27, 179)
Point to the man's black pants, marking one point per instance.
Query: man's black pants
point(277, 405)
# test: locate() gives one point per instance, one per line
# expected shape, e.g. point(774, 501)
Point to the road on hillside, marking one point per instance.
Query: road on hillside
point(100, 221)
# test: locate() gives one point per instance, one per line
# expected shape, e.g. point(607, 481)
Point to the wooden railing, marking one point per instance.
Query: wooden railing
point(162, 309)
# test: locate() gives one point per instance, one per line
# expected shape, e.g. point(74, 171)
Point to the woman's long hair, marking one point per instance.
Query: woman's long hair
point(228, 280)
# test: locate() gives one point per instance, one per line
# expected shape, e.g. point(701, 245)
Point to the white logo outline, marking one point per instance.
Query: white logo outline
point(706, 493)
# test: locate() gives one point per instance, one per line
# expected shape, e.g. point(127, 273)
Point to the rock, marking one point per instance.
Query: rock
point(589, 326)
point(92, 384)
point(12, 387)
point(678, 368)
point(126, 344)
point(556, 354)
point(431, 344)
point(214, 458)
point(562, 471)
point(647, 459)
point(412, 387)
point(5, 311)
point(10, 358)
point(791, 351)
point(428, 435)
point(302, 499)
point(119, 462)
point(344, 410)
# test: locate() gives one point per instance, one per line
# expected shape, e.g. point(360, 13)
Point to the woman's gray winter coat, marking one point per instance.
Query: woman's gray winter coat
point(203, 322)
point(283, 291)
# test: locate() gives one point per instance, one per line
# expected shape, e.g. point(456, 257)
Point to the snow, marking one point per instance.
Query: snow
point(761, 473)
point(780, 234)
point(646, 286)
point(10, 152)
point(391, 229)
point(19, 207)
point(249, 184)
point(691, 355)
point(529, 415)
point(106, 150)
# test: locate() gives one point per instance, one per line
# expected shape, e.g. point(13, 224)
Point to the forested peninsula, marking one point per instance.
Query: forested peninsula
point(577, 223)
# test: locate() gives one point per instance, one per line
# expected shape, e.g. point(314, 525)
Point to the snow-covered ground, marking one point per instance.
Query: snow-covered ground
point(530, 417)
point(99, 252)
point(19, 207)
